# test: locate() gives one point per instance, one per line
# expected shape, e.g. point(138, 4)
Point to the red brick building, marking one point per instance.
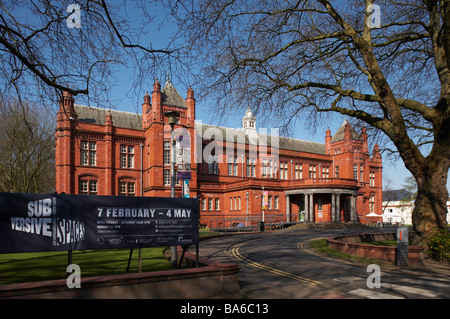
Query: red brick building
point(108, 152)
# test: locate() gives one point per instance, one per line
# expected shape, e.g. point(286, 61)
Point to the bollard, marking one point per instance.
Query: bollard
point(401, 253)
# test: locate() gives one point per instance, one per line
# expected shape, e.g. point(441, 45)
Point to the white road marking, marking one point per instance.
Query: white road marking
point(373, 294)
point(411, 290)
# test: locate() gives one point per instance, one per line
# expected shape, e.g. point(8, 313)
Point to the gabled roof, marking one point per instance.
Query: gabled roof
point(96, 115)
point(339, 136)
point(286, 143)
point(171, 97)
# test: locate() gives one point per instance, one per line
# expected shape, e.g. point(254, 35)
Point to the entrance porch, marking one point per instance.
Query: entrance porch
point(321, 205)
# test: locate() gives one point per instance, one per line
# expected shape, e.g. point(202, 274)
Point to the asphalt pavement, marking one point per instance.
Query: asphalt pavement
point(281, 265)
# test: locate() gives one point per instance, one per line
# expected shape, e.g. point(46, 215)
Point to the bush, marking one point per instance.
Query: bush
point(439, 246)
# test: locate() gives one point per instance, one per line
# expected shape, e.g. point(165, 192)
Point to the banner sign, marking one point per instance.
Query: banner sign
point(183, 156)
point(47, 222)
point(265, 200)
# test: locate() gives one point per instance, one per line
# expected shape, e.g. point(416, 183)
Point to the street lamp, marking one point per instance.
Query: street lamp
point(172, 117)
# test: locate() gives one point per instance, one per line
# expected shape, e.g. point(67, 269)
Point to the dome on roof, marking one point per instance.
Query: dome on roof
point(249, 121)
point(248, 115)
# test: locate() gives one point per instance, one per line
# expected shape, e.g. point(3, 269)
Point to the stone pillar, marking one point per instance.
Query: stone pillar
point(353, 217)
point(306, 208)
point(338, 208)
point(333, 208)
point(311, 208)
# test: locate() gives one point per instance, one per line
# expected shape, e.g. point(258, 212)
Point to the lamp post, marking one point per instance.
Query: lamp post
point(264, 203)
point(172, 119)
point(261, 225)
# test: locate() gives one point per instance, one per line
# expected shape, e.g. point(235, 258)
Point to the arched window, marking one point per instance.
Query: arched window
point(88, 185)
point(127, 187)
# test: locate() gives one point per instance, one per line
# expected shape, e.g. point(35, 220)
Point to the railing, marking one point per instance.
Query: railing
point(289, 184)
point(322, 182)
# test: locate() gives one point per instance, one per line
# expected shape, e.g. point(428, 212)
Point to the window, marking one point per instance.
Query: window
point(127, 188)
point(232, 166)
point(325, 172)
point(298, 171)
point(216, 204)
point(231, 203)
point(250, 167)
point(360, 173)
point(270, 202)
point(372, 204)
point(166, 177)
point(88, 187)
point(312, 171)
point(88, 153)
point(213, 166)
point(320, 204)
point(126, 156)
point(239, 202)
point(276, 202)
point(203, 203)
point(355, 172)
point(336, 171)
point(84, 187)
point(210, 204)
point(271, 171)
point(283, 170)
point(166, 152)
point(264, 168)
point(372, 179)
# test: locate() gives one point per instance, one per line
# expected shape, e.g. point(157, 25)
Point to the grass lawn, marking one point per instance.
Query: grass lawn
point(29, 267)
point(391, 243)
point(206, 232)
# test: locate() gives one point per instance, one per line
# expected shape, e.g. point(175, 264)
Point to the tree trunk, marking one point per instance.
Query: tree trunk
point(430, 212)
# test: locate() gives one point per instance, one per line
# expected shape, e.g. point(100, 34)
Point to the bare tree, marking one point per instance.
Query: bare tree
point(26, 148)
point(386, 65)
point(47, 47)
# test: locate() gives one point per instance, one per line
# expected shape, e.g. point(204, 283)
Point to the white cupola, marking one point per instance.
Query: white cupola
point(249, 121)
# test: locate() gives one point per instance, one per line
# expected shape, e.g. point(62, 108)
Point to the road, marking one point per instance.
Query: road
point(281, 265)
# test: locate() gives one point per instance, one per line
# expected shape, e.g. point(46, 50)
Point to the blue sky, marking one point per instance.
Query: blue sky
point(205, 109)
point(392, 169)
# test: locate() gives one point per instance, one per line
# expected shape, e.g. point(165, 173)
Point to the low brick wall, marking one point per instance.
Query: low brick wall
point(354, 245)
point(211, 279)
